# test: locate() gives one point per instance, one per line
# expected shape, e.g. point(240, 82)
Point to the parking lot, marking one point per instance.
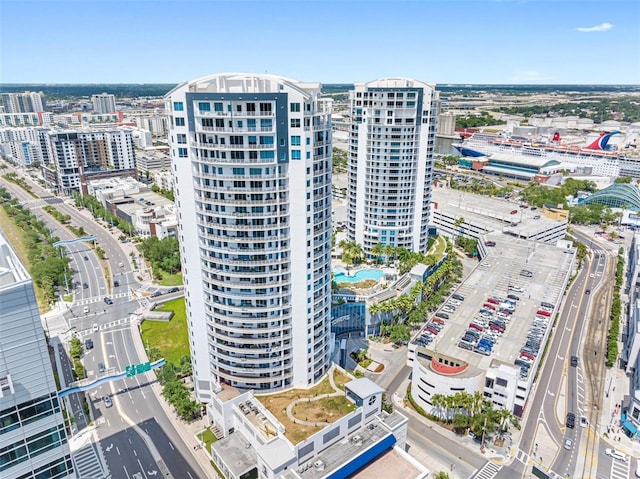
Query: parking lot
point(509, 301)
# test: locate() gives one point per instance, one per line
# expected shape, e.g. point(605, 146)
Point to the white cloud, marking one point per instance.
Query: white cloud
point(603, 27)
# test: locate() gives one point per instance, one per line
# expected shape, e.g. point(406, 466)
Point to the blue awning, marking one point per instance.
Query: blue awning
point(629, 427)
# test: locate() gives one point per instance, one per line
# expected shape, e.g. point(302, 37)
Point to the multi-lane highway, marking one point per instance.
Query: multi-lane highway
point(136, 414)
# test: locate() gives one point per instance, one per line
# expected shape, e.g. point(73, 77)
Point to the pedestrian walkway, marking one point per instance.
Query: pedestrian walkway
point(99, 299)
point(488, 471)
point(187, 431)
point(113, 324)
point(86, 457)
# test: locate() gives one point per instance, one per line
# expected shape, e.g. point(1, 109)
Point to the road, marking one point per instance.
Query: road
point(124, 449)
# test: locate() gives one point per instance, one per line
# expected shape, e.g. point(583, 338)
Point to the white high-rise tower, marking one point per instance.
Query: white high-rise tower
point(251, 155)
point(391, 141)
point(104, 103)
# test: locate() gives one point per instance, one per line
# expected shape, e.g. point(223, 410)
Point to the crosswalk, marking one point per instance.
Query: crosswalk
point(96, 299)
point(620, 469)
point(102, 327)
point(488, 471)
point(88, 463)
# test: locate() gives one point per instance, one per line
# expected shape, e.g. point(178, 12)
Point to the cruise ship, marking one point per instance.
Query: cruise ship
point(599, 156)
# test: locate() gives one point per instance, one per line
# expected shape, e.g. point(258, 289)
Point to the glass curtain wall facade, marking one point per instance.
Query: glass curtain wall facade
point(33, 438)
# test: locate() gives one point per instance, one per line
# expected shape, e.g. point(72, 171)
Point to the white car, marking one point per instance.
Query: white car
point(517, 289)
point(454, 302)
point(583, 421)
point(616, 454)
point(95, 328)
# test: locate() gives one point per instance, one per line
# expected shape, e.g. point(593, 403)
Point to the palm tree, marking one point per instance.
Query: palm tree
point(456, 224)
point(505, 417)
point(377, 250)
point(389, 251)
point(441, 475)
point(438, 401)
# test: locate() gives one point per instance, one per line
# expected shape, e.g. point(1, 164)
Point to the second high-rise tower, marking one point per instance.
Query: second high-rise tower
point(390, 168)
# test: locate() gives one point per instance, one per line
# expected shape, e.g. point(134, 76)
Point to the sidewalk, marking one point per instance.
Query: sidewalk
point(187, 431)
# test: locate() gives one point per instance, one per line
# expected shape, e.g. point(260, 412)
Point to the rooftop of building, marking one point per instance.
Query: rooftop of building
point(492, 214)
point(331, 459)
point(319, 412)
point(522, 160)
point(500, 269)
point(237, 452)
point(390, 465)
point(11, 268)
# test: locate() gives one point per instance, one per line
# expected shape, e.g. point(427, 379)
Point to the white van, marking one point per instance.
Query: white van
point(638, 468)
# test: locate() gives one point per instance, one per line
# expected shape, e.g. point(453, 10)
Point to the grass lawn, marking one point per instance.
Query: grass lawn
point(208, 438)
point(15, 238)
point(325, 410)
point(277, 405)
point(171, 279)
point(171, 338)
point(438, 248)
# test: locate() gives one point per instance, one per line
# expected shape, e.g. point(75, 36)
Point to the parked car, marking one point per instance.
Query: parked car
point(457, 296)
point(514, 297)
point(437, 320)
point(173, 290)
point(517, 289)
point(493, 300)
point(543, 313)
point(465, 345)
point(442, 315)
point(489, 306)
point(490, 243)
point(513, 212)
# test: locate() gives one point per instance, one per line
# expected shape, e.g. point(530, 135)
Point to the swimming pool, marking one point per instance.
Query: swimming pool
point(359, 276)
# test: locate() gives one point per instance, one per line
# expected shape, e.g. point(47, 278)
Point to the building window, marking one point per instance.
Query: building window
point(295, 122)
point(295, 107)
point(179, 121)
point(204, 106)
point(295, 155)
point(182, 153)
point(295, 141)
point(178, 106)
point(182, 138)
point(217, 106)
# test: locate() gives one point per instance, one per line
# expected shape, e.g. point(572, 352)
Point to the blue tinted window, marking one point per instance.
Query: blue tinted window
point(202, 106)
point(178, 106)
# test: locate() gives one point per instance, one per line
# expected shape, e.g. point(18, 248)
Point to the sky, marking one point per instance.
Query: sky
point(436, 41)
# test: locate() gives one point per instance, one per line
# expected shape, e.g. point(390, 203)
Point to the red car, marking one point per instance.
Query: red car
point(493, 301)
point(543, 313)
point(432, 330)
point(489, 306)
point(437, 321)
point(475, 326)
point(513, 212)
point(495, 327)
